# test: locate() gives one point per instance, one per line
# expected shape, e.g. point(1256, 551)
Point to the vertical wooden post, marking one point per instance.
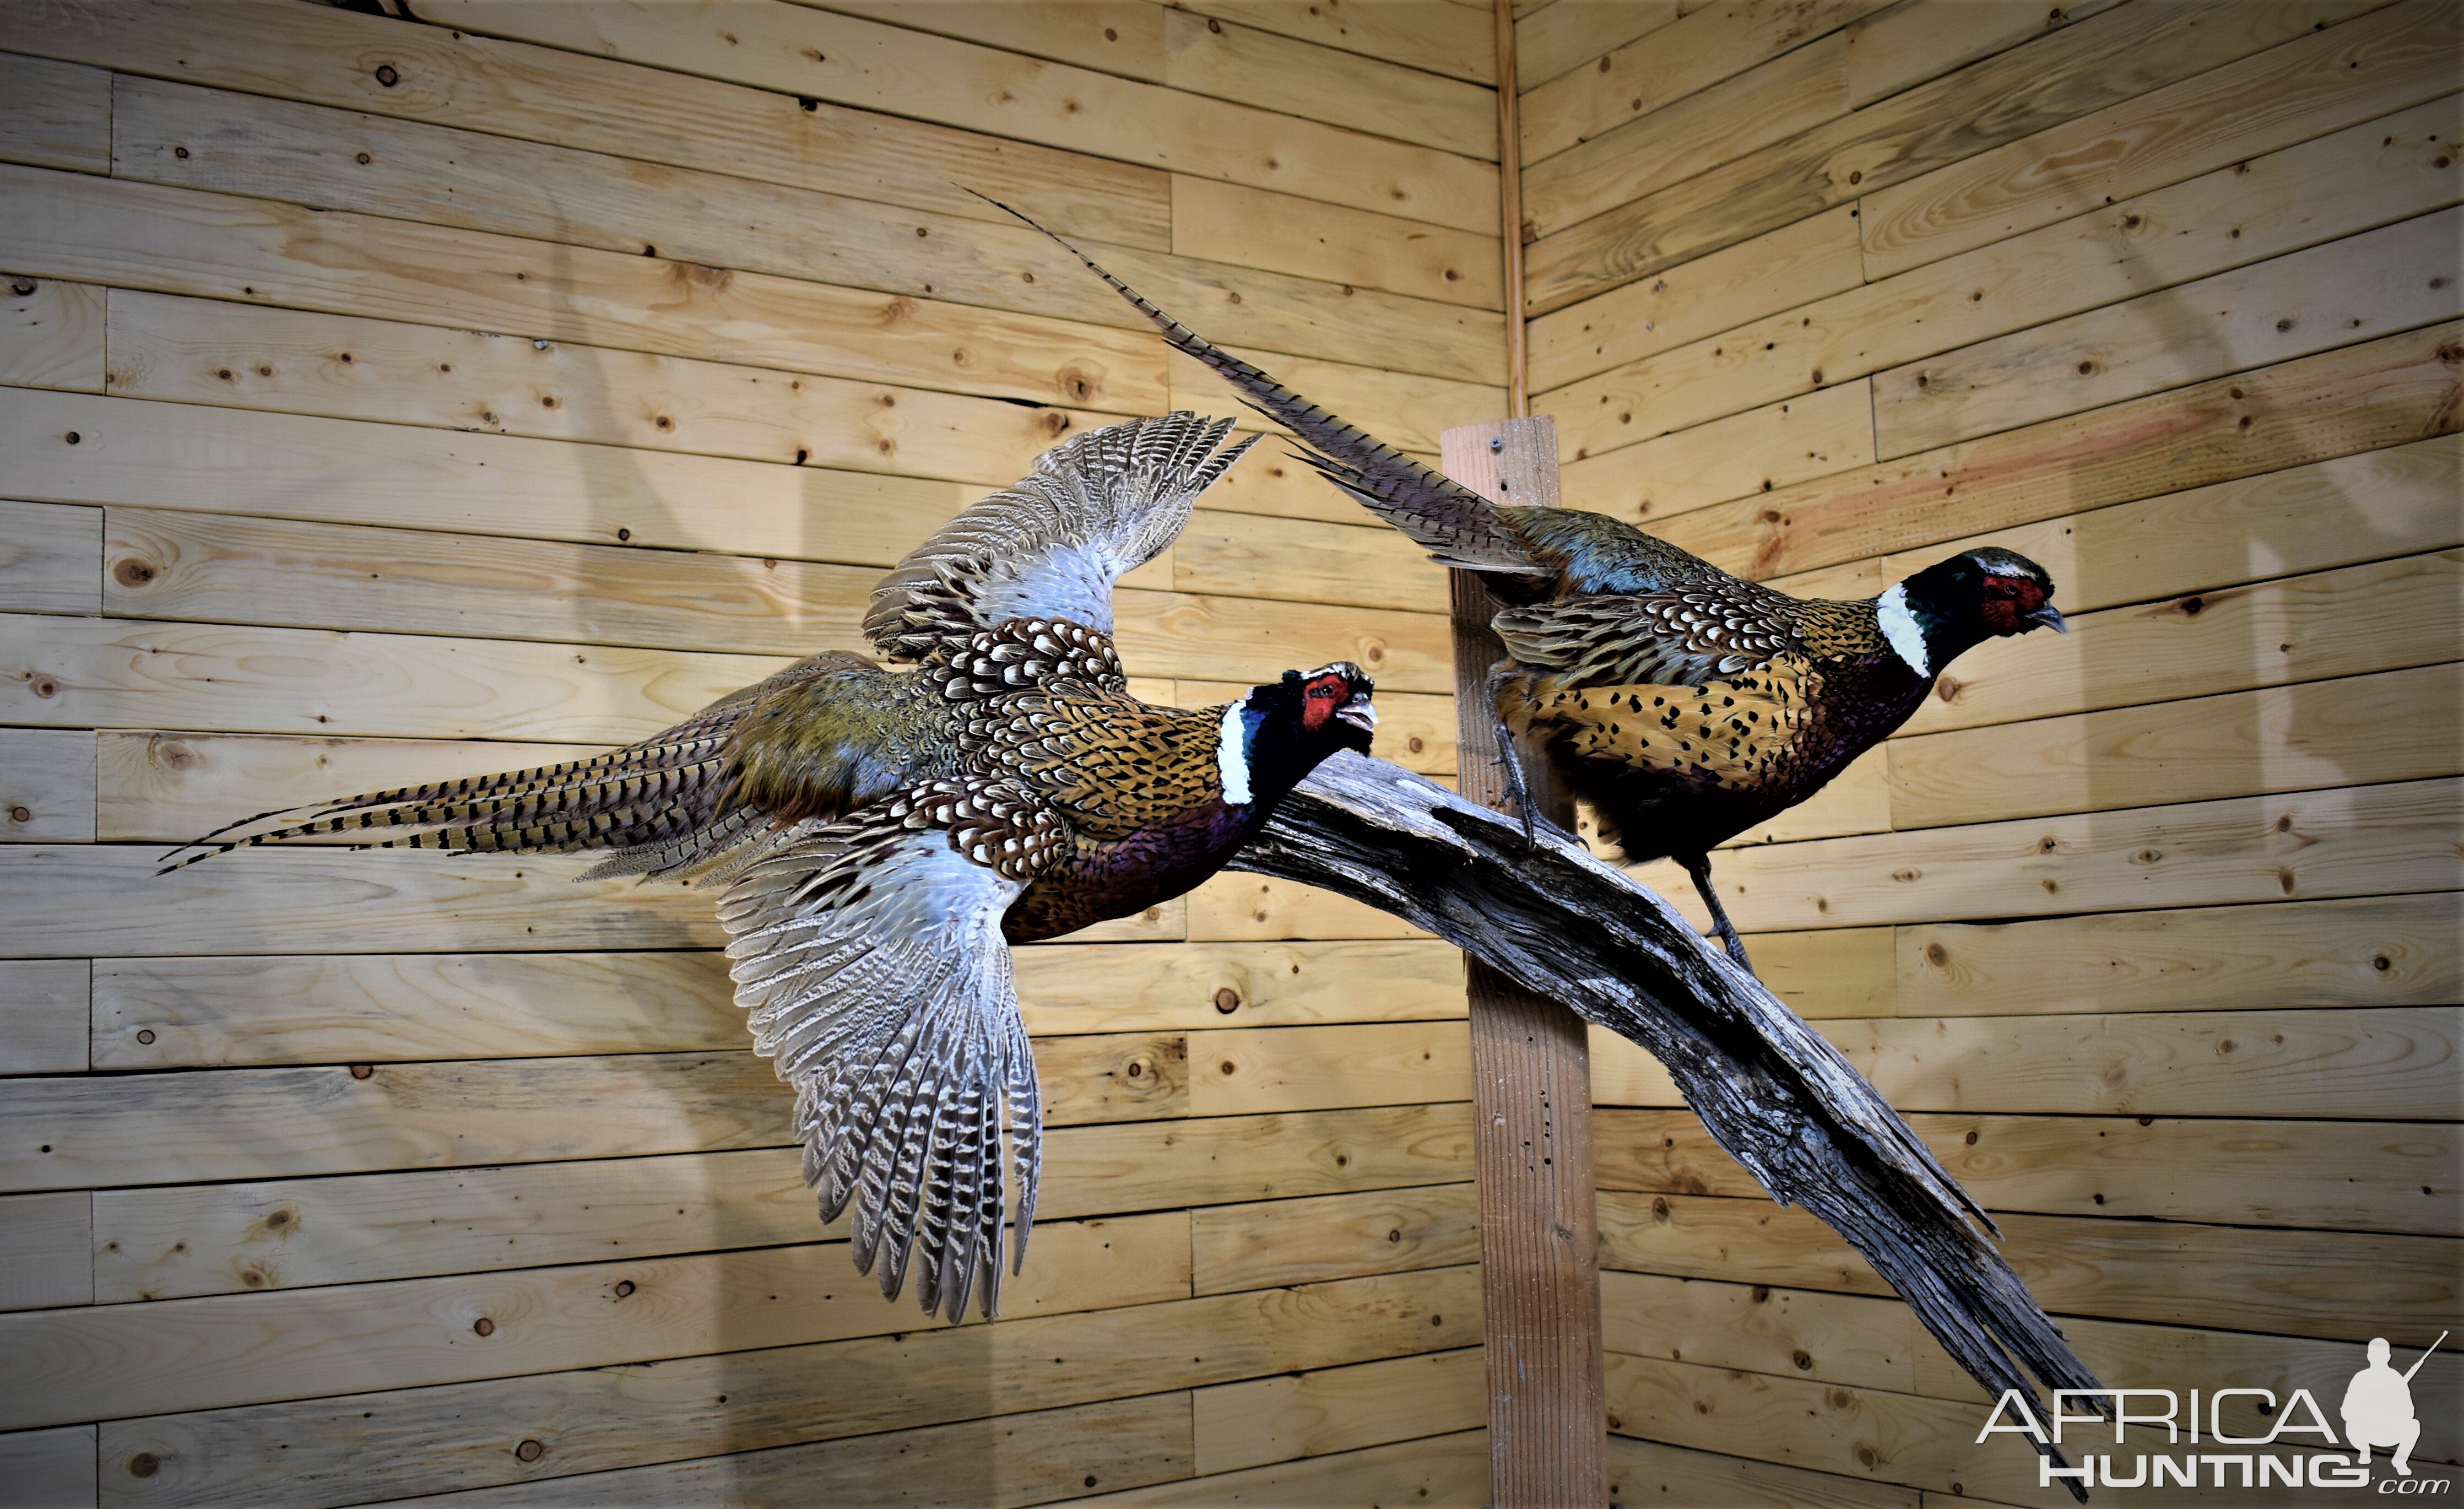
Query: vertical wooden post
point(1510, 215)
point(1532, 1092)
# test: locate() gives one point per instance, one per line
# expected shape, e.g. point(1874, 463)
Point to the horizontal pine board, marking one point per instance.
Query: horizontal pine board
point(2370, 1176)
point(1818, 435)
point(49, 558)
point(310, 1230)
point(2349, 509)
point(1349, 88)
point(2102, 62)
point(1352, 246)
point(1306, 1240)
point(1550, 38)
point(2398, 725)
point(231, 462)
point(2393, 56)
point(1796, 264)
point(2388, 950)
point(51, 333)
point(2121, 262)
point(47, 1250)
point(456, 77)
point(302, 1456)
point(372, 1009)
point(1245, 1071)
point(47, 785)
point(44, 1007)
point(186, 241)
point(2393, 279)
point(1911, 44)
point(1692, 53)
point(60, 115)
point(1446, 1471)
point(218, 1350)
point(2382, 392)
point(237, 143)
point(1029, 1457)
point(2306, 845)
point(2349, 621)
point(867, 66)
point(56, 1466)
point(1316, 1414)
point(248, 356)
point(1680, 1476)
point(2332, 1285)
point(1438, 37)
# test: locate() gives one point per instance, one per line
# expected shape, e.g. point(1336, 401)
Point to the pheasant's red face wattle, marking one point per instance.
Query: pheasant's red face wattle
point(2008, 601)
point(1321, 697)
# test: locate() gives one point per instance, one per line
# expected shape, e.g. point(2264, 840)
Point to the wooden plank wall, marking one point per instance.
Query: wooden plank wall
point(2152, 930)
point(386, 399)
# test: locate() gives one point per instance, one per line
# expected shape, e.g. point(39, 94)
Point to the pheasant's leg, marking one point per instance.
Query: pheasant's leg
point(1699, 866)
point(1512, 761)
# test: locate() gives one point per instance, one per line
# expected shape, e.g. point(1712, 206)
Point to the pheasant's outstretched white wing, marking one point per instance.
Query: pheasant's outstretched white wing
point(1052, 544)
point(869, 955)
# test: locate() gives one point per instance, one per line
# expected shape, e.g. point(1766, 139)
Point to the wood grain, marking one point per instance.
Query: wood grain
point(286, 1233)
point(2349, 621)
point(58, 116)
point(2394, 726)
point(1683, 57)
point(2342, 511)
point(1357, 246)
point(2276, 1282)
point(1296, 79)
point(1434, 35)
point(1796, 264)
point(1817, 435)
point(47, 1241)
point(52, 1467)
point(236, 144)
point(2389, 951)
point(1451, 1471)
point(290, 1456)
point(46, 786)
point(51, 333)
point(1911, 44)
point(50, 558)
point(2127, 257)
point(299, 361)
point(126, 233)
point(2102, 62)
point(1552, 38)
point(870, 66)
point(216, 1351)
point(2372, 283)
point(232, 462)
point(1245, 1071)
point(1338, 1409)
point(2394, 57)
point(456, 77)
point(1679, 1475)
point(2384, 393)
point(2368, 1176)
point(2309, 845)
point(1309, 1241)
point(44, 1005)
point(1782, 98)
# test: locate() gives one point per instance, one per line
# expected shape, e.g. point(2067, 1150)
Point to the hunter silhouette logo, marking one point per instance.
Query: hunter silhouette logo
point(2378, 1407)
point(2377, 1412)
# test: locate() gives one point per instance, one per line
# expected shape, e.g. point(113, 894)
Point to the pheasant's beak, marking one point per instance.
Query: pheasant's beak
point(2052, 618)
point(1359, 712)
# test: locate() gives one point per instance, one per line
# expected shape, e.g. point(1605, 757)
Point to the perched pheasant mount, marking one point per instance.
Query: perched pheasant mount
point(1610, 610)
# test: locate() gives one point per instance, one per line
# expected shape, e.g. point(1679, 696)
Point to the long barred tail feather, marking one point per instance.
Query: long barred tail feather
point(1457, 525)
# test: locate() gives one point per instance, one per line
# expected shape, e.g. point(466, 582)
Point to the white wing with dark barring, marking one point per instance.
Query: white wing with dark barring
point(869, 955)
point(1052, 544)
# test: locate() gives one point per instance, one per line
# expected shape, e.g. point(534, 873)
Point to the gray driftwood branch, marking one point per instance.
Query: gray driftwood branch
point(1773, 1091)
